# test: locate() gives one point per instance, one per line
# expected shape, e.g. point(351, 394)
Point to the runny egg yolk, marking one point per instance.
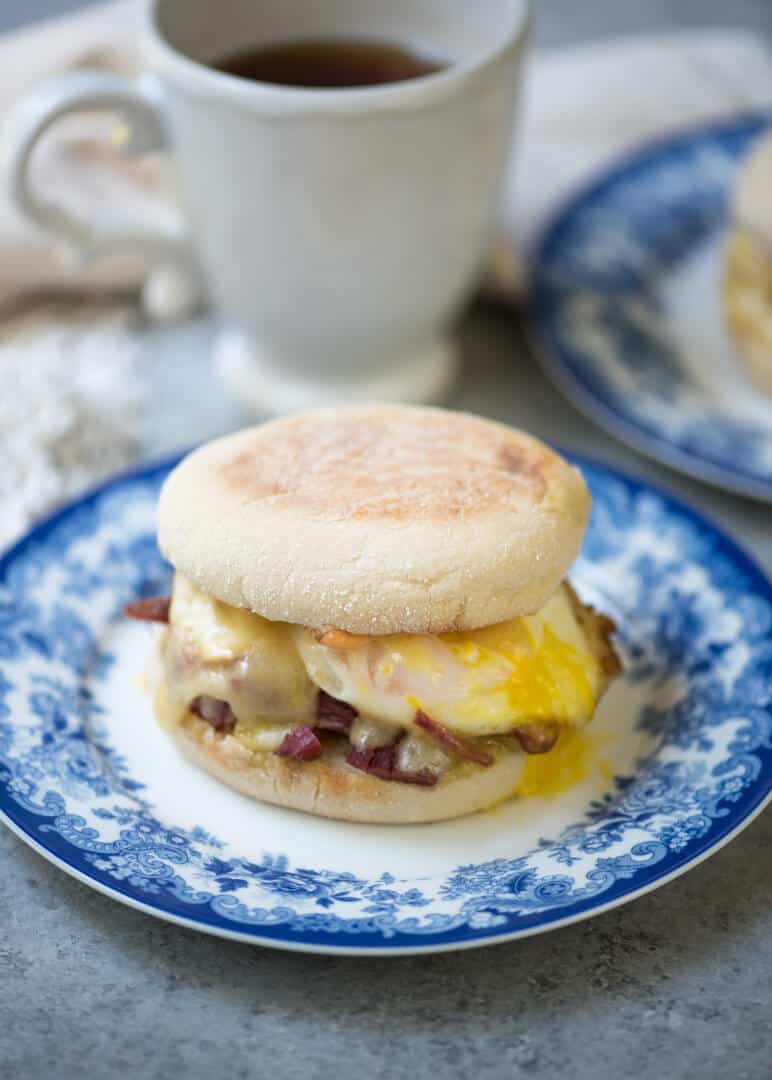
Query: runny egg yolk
point(565, 765)
point(479, 682)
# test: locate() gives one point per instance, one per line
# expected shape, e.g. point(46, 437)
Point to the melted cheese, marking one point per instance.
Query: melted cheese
point(218, 632)
point(228, 653)
point(480, 682)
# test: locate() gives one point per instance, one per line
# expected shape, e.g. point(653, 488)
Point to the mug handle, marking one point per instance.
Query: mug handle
point(138, 100)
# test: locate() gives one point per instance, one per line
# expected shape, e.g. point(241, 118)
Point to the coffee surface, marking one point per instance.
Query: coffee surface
point(329, 63)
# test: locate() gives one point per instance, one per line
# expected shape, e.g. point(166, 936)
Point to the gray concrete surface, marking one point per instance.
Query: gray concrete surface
point(676, 985)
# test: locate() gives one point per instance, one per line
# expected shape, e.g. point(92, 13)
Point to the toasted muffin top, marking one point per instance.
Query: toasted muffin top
point(376, 519)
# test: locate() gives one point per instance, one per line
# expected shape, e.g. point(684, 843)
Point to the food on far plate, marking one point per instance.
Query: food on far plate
point(747, 285)
point(369, 618)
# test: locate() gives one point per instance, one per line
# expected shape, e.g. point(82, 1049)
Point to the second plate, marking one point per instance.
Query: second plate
point(626, 310)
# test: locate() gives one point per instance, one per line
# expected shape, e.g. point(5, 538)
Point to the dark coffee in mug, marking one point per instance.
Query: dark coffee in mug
point(329, 63)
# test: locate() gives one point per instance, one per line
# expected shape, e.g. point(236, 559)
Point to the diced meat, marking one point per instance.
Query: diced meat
point(451, 742)
point(537, 738)
point(149, 609)
point(598, 630)
point(421, 777)
point(216, 712)
point(605, 627)
point(300, 744)
point(334, 715)
point(378, 761)
point(381, 762)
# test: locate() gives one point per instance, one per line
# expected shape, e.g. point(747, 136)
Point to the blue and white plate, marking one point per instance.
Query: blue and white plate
point(625, 304)
point(677, 761)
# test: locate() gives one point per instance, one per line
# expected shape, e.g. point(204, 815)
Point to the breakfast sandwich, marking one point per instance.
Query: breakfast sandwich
point(369, 618)
point(747, 284)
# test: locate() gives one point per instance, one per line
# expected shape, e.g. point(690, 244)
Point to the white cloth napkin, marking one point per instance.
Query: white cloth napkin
point(68, 405)
point(582, 106)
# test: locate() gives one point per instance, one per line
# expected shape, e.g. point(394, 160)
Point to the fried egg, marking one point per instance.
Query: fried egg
point(478, 683)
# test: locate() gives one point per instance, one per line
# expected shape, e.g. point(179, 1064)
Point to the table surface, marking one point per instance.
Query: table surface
point(676, 984)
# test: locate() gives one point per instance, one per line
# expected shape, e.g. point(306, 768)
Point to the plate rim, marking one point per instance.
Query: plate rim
point(289, 945)
point(480, 938)
point(574, 390)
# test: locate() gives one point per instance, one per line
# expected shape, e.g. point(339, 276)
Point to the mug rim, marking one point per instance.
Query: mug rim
point(280, 99)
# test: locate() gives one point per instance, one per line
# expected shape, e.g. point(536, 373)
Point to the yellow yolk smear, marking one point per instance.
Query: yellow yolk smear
point(578, 756)
point(566, 764)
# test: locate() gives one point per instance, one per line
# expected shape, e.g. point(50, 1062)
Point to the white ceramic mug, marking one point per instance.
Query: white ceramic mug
point(339, 231)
